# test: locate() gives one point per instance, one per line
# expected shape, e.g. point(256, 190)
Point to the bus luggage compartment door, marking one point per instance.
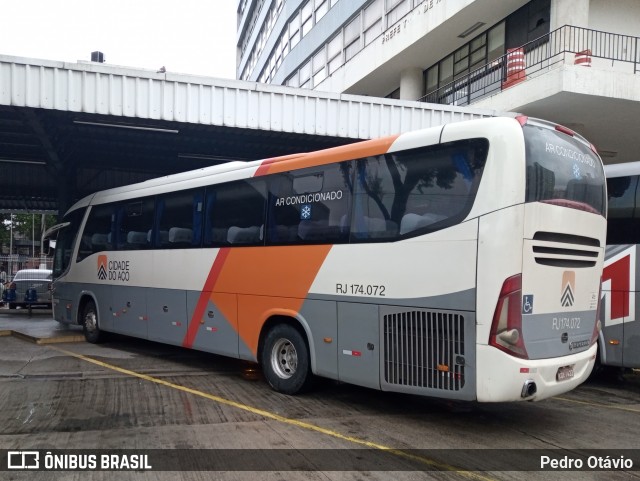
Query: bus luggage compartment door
point(358, 349)
point(167, 315)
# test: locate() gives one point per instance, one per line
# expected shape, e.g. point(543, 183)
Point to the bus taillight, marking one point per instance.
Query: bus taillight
point(565, 130)
point(506, 329)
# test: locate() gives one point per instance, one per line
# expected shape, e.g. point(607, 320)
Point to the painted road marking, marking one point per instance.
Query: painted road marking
point(269, 415)
point(607, 406)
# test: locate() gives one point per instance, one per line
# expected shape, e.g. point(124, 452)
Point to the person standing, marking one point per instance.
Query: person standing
point(3, 280)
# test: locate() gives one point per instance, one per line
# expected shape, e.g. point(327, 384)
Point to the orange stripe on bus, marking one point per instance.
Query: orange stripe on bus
point(194, 323)
point(264, 166)
point(268, 280)
point(356, 150)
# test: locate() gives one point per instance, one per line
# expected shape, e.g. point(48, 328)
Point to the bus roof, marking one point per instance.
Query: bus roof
point(238, 170)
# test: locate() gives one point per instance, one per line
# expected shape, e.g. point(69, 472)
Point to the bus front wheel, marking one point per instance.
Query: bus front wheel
point(90, 327)
point(285, 360)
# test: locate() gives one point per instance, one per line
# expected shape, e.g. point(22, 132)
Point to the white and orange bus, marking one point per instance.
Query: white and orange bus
point(461, 261)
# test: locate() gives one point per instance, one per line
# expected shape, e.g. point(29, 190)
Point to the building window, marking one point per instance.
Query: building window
point(461, 61)
point(293, 80)
point(396, 9)
point(432, 78)
point(480, 51)
point(294, 30)
point(372, 21)
point(307, 17)
point(495, 42)
point(352, 38)
point(334, 53)
point(528, 23)
point(478, 54)
point(319, 66)
point(322, 7)
point(305, 75)
point(446, 70)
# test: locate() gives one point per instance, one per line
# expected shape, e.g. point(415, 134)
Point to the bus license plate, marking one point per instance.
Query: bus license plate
point(564, 373)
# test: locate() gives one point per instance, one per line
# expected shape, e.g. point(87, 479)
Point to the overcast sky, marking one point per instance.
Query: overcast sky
point(185, 36)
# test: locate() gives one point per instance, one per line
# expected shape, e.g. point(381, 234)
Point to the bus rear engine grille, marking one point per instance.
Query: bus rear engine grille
point(565, 250)
point(424, 349)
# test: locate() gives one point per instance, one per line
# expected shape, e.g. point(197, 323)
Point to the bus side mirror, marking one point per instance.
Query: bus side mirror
point(48, 245)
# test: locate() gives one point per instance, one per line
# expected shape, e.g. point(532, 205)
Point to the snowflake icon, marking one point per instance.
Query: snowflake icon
point(305, 212)
point(576, 171)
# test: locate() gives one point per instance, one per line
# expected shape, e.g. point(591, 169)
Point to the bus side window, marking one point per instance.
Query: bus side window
point(235, 213)
point(178, 220)
point(418, 190)
point(134, 220)
point(373, 189)
point(623, 219)
point(310, 205)
point(97, 232)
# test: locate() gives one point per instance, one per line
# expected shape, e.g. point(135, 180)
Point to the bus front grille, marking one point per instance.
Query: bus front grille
point(424, 349)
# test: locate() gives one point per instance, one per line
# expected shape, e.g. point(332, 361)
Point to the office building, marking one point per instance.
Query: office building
point(571, 61)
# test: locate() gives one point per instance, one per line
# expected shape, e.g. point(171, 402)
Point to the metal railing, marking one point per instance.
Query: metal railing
point(567, 44)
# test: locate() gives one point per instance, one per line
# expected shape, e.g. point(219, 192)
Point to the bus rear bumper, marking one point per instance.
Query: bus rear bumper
point(501, 377)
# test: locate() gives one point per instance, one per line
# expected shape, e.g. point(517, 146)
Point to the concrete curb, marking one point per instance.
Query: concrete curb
point(43, 340)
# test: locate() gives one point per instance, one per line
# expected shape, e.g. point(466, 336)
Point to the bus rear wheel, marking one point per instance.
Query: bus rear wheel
point(285, 360)
point(90, 327)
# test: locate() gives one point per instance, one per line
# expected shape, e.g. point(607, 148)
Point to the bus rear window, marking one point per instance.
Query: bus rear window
point(562, 170)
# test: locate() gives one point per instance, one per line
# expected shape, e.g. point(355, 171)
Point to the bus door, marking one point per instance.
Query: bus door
point(128, 269)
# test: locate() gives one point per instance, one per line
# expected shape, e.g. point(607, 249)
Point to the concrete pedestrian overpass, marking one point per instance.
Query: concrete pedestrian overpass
point(70, 129)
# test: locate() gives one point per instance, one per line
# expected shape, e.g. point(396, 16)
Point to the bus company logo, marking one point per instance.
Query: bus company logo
point(113, 270)
point(102, 267)
point(568, 288)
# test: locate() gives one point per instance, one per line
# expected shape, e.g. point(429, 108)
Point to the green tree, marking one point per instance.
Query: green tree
point(25, 225)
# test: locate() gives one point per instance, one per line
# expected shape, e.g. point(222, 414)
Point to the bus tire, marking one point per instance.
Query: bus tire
point(12, 305)
point(90, 325)
point(285, 360)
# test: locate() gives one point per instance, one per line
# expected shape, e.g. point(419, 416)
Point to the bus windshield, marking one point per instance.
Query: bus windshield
point(623, 219)
point(562, 170)
point(65, 241)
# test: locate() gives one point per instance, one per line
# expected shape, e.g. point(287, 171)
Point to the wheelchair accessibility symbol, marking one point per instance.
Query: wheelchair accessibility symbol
point(527, 304)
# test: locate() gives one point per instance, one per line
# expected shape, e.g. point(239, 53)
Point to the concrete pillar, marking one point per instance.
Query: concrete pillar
point(411, 81)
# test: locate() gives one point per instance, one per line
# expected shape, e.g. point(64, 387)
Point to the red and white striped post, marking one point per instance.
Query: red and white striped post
point(583, 58)
point(515, 67)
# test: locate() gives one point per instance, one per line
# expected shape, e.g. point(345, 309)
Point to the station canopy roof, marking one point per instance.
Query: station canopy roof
point(70, 129)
